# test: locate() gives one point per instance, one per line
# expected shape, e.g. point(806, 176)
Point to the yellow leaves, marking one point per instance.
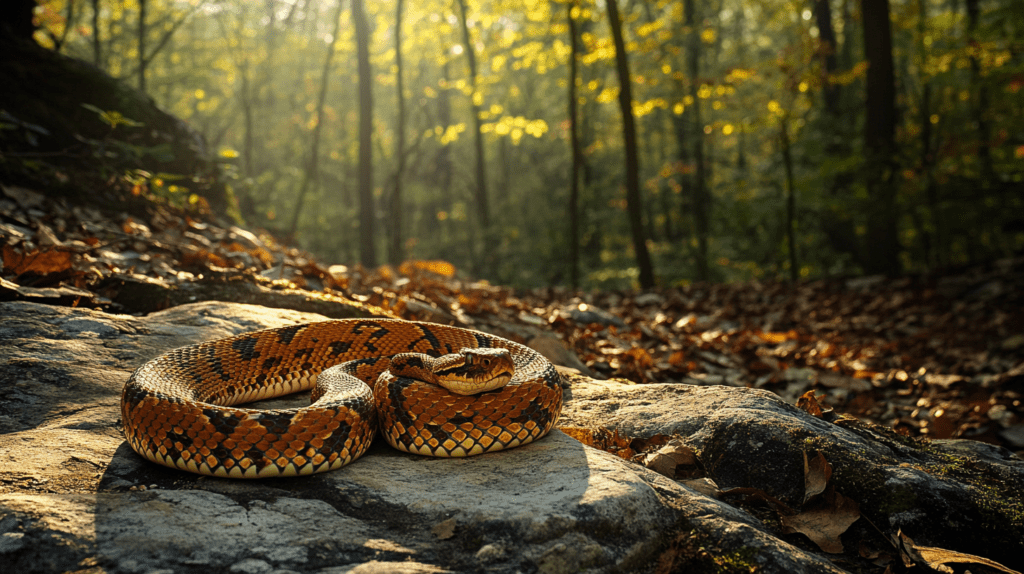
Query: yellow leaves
point(708, 36)
point(228, 153)
point(200, 94)
point(515, 128)
point(644, 30)
point(727, 129)
point(113, 118)
point(608, 95)
point(498, 62)
point(643, 108)
point(704, 92)
point(447, 135)
point(737, 75)
point(848, 77)
point(678, 109)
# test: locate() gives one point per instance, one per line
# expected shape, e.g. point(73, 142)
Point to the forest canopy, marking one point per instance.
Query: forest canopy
point(771, 139)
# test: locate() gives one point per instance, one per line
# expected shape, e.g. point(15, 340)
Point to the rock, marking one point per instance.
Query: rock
point(74, 496)
point(554, 350)
point(959, 495)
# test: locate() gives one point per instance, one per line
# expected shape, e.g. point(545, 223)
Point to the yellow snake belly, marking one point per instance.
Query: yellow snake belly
point(177, 409)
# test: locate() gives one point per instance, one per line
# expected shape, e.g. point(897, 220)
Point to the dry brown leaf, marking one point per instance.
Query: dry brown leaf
point(808, 402)
point(602, 439)
point(668, 458)
point(444, 530)
point(817, 473)
point(939, 558)
point(825, 520)
point(36, 262)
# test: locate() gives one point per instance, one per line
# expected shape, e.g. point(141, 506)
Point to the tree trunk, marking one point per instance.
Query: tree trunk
point(980, 106)
point(96, 46)
point(313, 161)
point(827, 47)
point(574, 187)
point(633, 202)
point(482, 206)
point(882, 249)
point(698, 187)
point(367, 251)
point(394, 214)
point(142, 45)
point(787, 160)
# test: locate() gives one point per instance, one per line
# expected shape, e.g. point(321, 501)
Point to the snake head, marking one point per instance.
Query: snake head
point(478, 370)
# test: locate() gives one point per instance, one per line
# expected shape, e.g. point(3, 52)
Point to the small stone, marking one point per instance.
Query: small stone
point(251, 566)
point(490, 553)
point(11, 542)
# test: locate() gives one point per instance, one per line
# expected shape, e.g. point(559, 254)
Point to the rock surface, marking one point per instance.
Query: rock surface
point(74, 497)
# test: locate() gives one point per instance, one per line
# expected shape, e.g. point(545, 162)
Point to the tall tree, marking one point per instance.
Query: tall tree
point(979, 109)
point(394, 215)
point(700, 202)
point(142, 45)
point(882, 249)
point(96, 45)
point(482, 206)
point(367, 250)
point(577, 155)
point(633, 202)
point(312, 171)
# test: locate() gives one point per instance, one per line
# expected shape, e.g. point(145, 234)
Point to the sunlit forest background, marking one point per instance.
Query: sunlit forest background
point(764, 146)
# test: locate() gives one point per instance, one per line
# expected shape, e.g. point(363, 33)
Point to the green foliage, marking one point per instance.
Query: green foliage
point(247, 74)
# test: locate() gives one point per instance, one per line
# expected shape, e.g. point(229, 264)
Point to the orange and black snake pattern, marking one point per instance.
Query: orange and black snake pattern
point(177, 409)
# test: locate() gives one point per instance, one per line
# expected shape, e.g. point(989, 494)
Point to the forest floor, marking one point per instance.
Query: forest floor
point(938, 356)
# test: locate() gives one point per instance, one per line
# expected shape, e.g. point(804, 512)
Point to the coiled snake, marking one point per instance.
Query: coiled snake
point(176, 409)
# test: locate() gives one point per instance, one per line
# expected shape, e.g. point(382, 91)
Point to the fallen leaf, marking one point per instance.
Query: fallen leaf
point(825, 520)
point(939, 558)
point(817, 472)
point(668, 458)
point(444, 530)
point(809, 403)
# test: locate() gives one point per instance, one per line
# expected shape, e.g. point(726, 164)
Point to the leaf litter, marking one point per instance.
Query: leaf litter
point(937, 356)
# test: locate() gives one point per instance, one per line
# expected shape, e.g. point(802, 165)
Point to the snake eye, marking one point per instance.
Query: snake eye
point(487, 362)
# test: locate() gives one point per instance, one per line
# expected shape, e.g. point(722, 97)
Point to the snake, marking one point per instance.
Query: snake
point(181, 409)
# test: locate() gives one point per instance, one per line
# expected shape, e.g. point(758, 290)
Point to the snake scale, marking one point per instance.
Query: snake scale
point(177, 409)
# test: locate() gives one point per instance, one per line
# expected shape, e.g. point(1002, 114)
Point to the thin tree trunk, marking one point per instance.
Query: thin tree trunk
point(394, 214)
point(313, 161)
point(483, 209)
point(827, 47)
point(787, 160)
point(978, 87)
point(633, 202)
point(142, 46)
point(96, 48)
point(882, 247)
point(574, 188)
point(246, 98)
point(699, 178)
point(367, 250)
point(932, 243)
